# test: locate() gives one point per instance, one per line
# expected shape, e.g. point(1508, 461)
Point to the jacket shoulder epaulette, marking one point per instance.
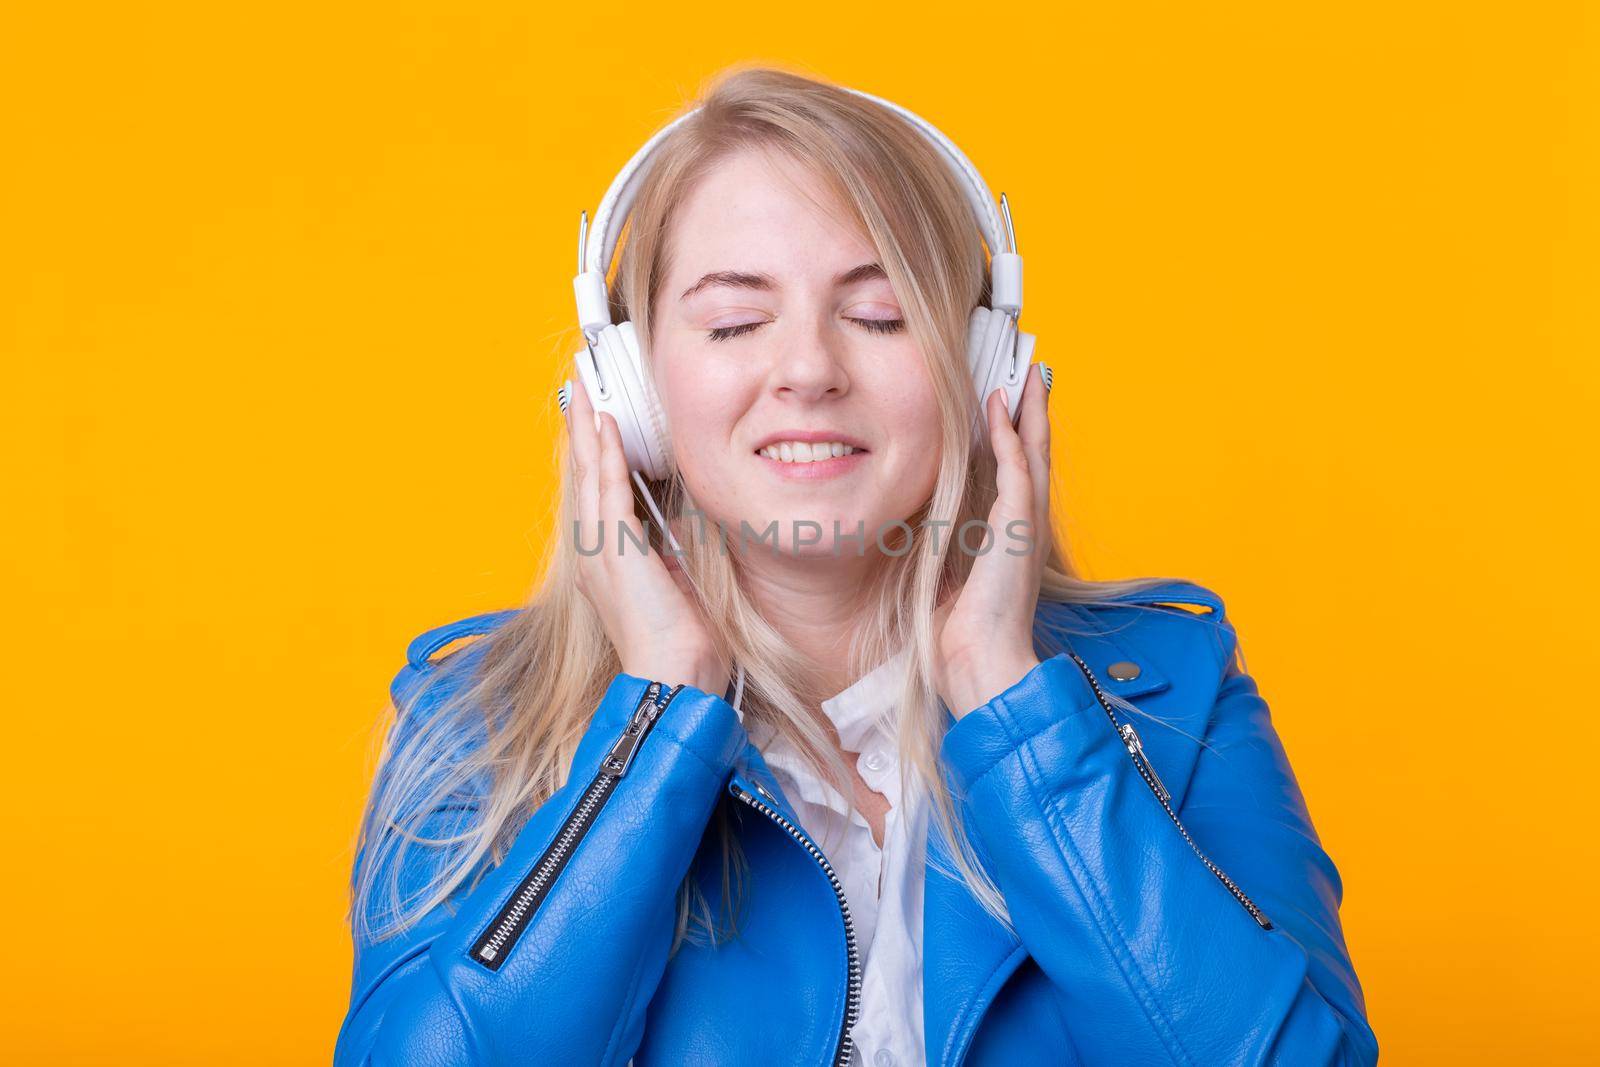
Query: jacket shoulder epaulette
point(421, 652)
point(1177, 600)
point(1178, 591)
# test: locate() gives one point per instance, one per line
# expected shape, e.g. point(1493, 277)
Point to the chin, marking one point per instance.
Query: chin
point(800, 536)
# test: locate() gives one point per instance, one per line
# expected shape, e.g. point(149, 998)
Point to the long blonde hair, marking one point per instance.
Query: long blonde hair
point(500, 741)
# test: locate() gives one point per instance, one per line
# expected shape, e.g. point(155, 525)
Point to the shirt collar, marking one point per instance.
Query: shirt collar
point(858, 710)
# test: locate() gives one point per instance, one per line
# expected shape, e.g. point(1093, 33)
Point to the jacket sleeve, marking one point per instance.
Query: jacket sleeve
point(1153, 957)
point(591, 930)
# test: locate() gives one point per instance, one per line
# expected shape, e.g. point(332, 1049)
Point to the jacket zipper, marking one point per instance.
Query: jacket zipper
point(1147, 771)
point(496, 941)
point(852, 1009)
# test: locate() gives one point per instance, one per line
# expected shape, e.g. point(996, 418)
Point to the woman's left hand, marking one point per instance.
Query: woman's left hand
point(985, 631)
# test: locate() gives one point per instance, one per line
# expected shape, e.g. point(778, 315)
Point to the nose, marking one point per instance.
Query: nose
point(810, 367)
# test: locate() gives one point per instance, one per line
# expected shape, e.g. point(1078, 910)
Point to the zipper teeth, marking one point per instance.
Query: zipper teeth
point(533, 889)
point(852, 1010)
point(490, 948)
point(1148, 774)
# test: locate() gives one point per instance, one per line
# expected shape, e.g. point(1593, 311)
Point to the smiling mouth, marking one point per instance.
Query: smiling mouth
point(802, 452)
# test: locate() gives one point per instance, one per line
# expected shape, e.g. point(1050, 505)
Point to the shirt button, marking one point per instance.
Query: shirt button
point(876, 761)
point(884, 1058)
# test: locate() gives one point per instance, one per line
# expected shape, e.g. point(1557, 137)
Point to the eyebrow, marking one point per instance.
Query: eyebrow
point(738, 279)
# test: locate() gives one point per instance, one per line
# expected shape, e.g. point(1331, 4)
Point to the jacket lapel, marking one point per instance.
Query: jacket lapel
point(967, 954)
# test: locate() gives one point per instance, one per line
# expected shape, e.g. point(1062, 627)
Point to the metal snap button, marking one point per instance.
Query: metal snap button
point(1123, 670)
point(875, 761)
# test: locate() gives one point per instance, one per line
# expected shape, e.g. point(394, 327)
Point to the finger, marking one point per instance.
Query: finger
point(585, 455)
point(615, 490)
point(1035, 434)
point(1013, 479)
point(1034, 424)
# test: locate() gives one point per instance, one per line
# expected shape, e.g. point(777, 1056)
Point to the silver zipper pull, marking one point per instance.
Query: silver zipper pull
point(620, 758)
point(1130, 737)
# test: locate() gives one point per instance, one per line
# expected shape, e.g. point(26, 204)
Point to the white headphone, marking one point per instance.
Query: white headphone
point(613, 374)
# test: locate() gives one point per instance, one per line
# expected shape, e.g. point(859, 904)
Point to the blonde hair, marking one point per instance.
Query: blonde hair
point(500, 741)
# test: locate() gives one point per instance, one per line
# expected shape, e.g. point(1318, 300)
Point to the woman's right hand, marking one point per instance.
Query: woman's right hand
point(648, 609)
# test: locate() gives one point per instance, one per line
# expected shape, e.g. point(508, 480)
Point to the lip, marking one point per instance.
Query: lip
point(809, 437)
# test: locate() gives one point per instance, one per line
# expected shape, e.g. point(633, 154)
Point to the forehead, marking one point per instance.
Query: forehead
point(761, 202)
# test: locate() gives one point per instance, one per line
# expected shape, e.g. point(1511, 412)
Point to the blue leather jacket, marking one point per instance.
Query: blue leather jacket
point(1172, 901)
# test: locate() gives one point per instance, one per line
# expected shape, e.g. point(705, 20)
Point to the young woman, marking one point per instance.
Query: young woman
point(855, 777)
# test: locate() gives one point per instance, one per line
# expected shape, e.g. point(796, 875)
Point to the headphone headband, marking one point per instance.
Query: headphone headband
point(597, 245)
point(616, 381)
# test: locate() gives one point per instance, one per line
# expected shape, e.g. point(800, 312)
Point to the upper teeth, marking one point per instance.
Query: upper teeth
point(806, 451)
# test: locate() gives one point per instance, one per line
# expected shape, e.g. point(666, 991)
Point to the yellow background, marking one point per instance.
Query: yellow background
point(286, 290)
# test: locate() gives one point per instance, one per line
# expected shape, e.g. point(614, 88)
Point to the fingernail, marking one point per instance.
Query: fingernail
point(564, 395)
point(1048, 375)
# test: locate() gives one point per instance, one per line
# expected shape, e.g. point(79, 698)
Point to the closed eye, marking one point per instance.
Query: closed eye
point(724, 333)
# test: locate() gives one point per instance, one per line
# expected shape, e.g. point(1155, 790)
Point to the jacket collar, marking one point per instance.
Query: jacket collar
point(1102, 647)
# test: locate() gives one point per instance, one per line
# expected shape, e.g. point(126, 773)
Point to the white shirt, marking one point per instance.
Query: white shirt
point(883, 886)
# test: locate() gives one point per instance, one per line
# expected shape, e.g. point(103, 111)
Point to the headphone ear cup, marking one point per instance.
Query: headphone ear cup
point(654, 432)
point(627, 397)
point(989, 340)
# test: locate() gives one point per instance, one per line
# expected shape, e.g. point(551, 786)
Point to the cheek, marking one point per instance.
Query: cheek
point(907, 390)
point(919, 447)
point(702, 410)
point(910, 415)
